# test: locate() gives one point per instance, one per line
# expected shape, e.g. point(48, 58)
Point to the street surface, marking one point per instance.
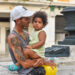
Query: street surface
point(63, 68)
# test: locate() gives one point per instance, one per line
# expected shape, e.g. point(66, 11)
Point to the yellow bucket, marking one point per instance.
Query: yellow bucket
point(49, 70)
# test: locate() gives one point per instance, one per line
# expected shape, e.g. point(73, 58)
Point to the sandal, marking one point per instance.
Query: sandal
point(13, 67)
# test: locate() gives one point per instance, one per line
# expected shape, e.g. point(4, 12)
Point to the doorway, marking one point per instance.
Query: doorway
point(60, 24)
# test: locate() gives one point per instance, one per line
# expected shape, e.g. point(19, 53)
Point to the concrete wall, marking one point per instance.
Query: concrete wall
point(50, 28)
point(3, 37)
point(6, 7)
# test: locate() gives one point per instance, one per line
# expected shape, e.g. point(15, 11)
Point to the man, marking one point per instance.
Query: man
point(18, 38)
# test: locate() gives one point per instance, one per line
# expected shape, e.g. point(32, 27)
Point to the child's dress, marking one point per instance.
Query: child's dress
point(34, 39)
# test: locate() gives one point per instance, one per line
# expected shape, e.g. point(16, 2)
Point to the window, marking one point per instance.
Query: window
point(4, 19)
point(60, 24)
point(7, 33)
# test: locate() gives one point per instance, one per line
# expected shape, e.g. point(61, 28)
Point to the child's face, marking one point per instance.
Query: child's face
point(38, 23)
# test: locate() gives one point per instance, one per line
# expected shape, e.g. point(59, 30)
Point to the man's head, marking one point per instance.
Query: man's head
point(19, 13)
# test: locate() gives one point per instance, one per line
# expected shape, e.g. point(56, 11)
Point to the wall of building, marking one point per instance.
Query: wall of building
point(52, 9)
point(6, 8)
point(3, 26)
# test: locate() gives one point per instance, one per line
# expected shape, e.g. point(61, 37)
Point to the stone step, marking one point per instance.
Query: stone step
point(57, 51)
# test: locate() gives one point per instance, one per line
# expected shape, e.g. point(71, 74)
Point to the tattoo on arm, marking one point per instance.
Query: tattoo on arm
point(18, 49)
point(20, 54)
point(15, 41)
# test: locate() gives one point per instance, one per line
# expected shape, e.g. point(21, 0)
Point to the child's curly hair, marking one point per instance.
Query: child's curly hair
point(42, 15)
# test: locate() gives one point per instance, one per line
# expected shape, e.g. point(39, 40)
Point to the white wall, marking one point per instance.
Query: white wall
point(3, 26)
point(50, 31)
point(61, 1)
point(72, 1)
point(2, 43)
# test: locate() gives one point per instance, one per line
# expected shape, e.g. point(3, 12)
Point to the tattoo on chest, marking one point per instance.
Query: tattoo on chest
point(23, 36)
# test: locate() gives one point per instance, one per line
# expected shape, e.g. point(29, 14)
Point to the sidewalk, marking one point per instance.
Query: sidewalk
point(4, 61)
point(63, 69)
point(4, 70)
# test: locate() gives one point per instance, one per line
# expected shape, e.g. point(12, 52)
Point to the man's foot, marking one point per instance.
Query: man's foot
point(13, 67)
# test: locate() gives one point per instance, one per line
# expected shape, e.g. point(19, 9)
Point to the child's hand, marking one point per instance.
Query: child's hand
point(29, 46)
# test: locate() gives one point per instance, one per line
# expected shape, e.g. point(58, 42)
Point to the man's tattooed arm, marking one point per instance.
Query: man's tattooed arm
point(15, 45)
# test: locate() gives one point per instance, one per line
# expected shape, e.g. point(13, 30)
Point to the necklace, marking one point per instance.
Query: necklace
point(21, 34)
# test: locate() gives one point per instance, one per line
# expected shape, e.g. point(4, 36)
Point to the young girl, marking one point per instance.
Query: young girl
point(35, 49)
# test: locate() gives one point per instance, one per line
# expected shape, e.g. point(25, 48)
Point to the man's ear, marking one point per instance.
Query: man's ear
point(17, 20)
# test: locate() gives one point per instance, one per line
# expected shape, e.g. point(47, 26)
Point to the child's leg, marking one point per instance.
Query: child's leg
point(28, 53)
point(39, 62)
point(44, 62)
point(31, 54)
point(49, 63)
point(30, 63)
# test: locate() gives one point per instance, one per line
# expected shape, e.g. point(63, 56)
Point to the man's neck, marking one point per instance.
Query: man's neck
point(18, 29)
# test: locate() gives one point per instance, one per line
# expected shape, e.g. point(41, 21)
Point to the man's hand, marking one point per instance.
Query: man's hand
point(29, 46)
point(39, 62)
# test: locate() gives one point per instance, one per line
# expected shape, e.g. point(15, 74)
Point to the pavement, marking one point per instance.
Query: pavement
point(5, 60)
point(63, 68)
point(4, 70)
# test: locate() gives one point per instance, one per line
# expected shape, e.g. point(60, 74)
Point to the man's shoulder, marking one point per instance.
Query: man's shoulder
point(11, 36)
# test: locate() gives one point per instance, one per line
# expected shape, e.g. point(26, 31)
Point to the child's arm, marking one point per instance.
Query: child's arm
point(41, 42)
